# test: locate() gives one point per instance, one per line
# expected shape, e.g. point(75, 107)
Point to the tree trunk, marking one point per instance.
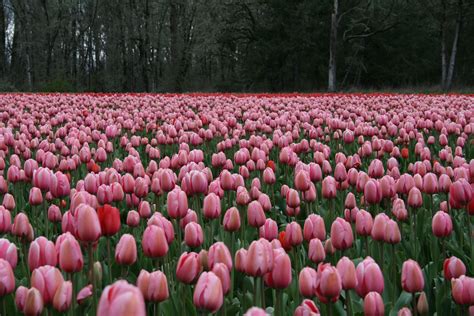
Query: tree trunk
point(332, 48)
point(174, 58)
point(443, 45)
point(454, 48)
point(3, 64)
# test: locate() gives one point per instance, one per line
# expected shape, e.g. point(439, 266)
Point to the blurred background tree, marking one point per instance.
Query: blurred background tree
point(235, 45)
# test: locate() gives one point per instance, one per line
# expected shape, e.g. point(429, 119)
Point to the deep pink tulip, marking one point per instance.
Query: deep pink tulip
point(453, 268)
point(462, 290)
point(341, 234)
point(412, 277)
point(188, 267)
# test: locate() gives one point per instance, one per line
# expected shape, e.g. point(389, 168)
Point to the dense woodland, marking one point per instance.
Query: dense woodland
point(235, 45)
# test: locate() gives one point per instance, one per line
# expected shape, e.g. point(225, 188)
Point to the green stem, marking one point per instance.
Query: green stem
point(348, 303)
point(109, 258)
point(92, 276)
point(279, 303)
point(415, 312)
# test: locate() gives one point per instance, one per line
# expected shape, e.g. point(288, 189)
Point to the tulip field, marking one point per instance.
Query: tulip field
point(200, 204)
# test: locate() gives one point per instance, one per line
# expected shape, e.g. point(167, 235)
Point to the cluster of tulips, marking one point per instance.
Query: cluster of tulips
point(236, 205)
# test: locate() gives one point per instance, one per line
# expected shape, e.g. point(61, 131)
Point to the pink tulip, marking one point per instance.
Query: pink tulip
point(7, 278)
point(328, 283)
point(5, 220)
point(47, 280)
point(154, 242)
point(121, 299)
point(8, 252)
point(154, 285)
point(329, 190)
point(462, 290)
point(208, 293)
point(259, 258)
point(88, 225)
point(453, 268)
point(33, 302)
point(373, 304)
point(126, 250)
point(223, 273)
point(412, 277)
point(347, 271)
point(36, 197)
point(193, 235)
point(211, 206)
point(307, 281)
point(372, 192)
point(69, 253)
point(219, 252)
point(231, 221)
point(293, 234)
point(177, 203)
point(63, 297)
point(188, 267)
point(369, 277)
point(42, 252)
point(307, 308)
point(255, 214)
point(316, 252)
point(280, 276)
point(441, 225)
point(314, 228)
point(341, 234)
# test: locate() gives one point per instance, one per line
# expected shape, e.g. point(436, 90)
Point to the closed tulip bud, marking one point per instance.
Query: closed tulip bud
point(372, 192)
point(69, 253)
point(307, 308)
point(133, 218)
point(293, 234)
point(243, 197)
point(109, 218)
point(329, 190)
point(259, 258)
point(316, 251)
point(340, 172)
point(88, 224)
point(36, 197)
point(369, 277)
point(350, 201)
point(453, 268)
point(63, 297)
point(422, 304)
point(9, 201)
point(347, 271)
point(208, 293)
point(307, 281)
point(33, 304)
point(177, 203)
point(329, 285)
point(364, 223)
point(154, 242)
point(255, 214)
point(218, 252)
point(42, 252)
point(188, 267)
point(20, 297)
point(5, 220)
point(405, 311)
point(441, 225)
point(392, 232)
point(8, 252)
point(460, 193)
point(47, 280)
point(7, 278)
point(126, 250)
point(314, 228)
point(223, 274)
point(121, 299)
point(302, 181)
point(241, 260)
point(280, 276)
point(154, 285)
point(380, 224)
point(255, 311)
point(292, 198)
point(415, 199)
point(430, 183)
point(231, 221)
point(211, 206)
point(373, 304)
point(412, 277)
point(193, 235)
point(144, 209)
point(269, 176)
point(341, 234)
point(269, 230)
point(462, 290)
point(54, 214)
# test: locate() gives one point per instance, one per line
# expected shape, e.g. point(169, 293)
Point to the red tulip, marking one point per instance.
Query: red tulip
point(109, 218)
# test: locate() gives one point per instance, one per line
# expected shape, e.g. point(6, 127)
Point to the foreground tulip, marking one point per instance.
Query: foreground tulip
point(223, 274)
point(412, 277)
point(347, 271)
point(63, 297)
point(255, 311)
point(307, 281)
point(280, 276)
point(154, 242)
point(88, 224)
point(208, 293)
point(8, 252)
point(154, 285)
point(121, 299)
point(126, 250)
point(369, 277)
point(259, 258)
point(307, 308)
point(33, 302)
point(462, 290)
point(69, 253)
point(42, 252)
point(47, 280)
point(373, 304)
point(7, 278)
point(188, 267)
point(453, 268)
point(328, 283)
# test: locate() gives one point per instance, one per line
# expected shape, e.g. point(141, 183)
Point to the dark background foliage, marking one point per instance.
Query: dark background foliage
point(235, 45)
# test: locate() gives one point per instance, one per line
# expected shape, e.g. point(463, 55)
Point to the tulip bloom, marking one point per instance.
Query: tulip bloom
point(88, 224)
point(219, 252)
point(259, 258)
point(63, 297)
point(126, 250)
point(42, 252)
point(109, 218)
point(412, 277)
point(154, 285)
point(373, 304)
point(188, 267)
point(7, 278)
point(69, 253)
point(341, 234)
point(442, 225)
point(208, 293)
point(453, 268)
point(8, 252)
point(121, 299)
point(154, 242)
point(369, 277)
point(255, 214)
point(211, 206)
point(280, 276)
point(347, 271)
point(328, 283)
point(47, 280)
point(462, 290)
point(314, 228)
point(307, 308)
point(193, 235)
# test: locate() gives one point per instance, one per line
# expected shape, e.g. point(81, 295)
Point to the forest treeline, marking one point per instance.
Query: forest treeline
point(235, 45)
